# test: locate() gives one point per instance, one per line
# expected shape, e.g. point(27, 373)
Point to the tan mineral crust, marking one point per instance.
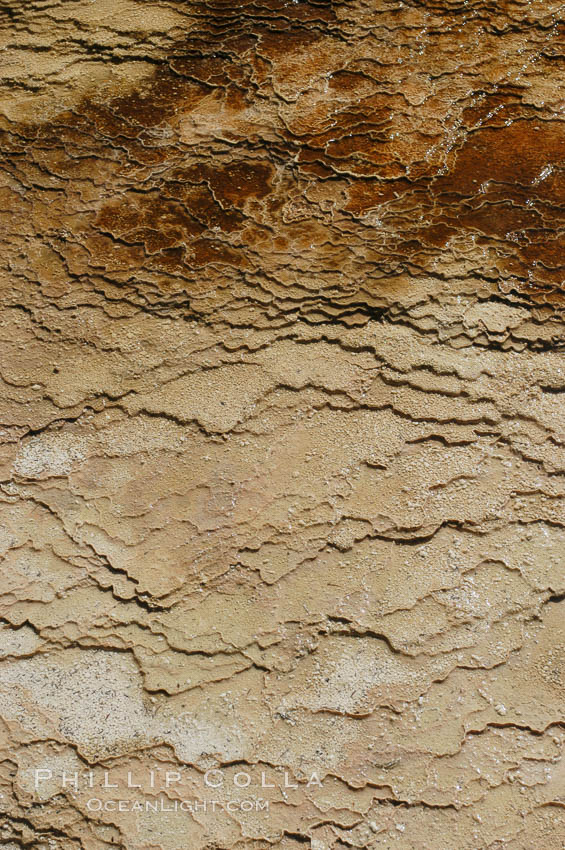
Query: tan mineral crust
point(282, 363)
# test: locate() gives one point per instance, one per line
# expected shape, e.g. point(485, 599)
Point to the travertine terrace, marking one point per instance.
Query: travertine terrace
point(283, 426)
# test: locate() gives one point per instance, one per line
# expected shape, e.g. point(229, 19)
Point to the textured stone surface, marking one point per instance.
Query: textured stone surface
point(283, 435)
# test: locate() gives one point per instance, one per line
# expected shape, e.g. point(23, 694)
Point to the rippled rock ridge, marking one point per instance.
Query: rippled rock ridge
point(283, 425)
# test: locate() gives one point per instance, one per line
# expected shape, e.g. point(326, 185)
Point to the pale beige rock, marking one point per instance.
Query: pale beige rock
point(282, 434)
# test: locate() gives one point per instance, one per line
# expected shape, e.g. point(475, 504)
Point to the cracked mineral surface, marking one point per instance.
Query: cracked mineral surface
point(283, 426)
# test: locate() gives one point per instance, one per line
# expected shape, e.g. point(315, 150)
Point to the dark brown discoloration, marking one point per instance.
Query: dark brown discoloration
point(500, 184)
